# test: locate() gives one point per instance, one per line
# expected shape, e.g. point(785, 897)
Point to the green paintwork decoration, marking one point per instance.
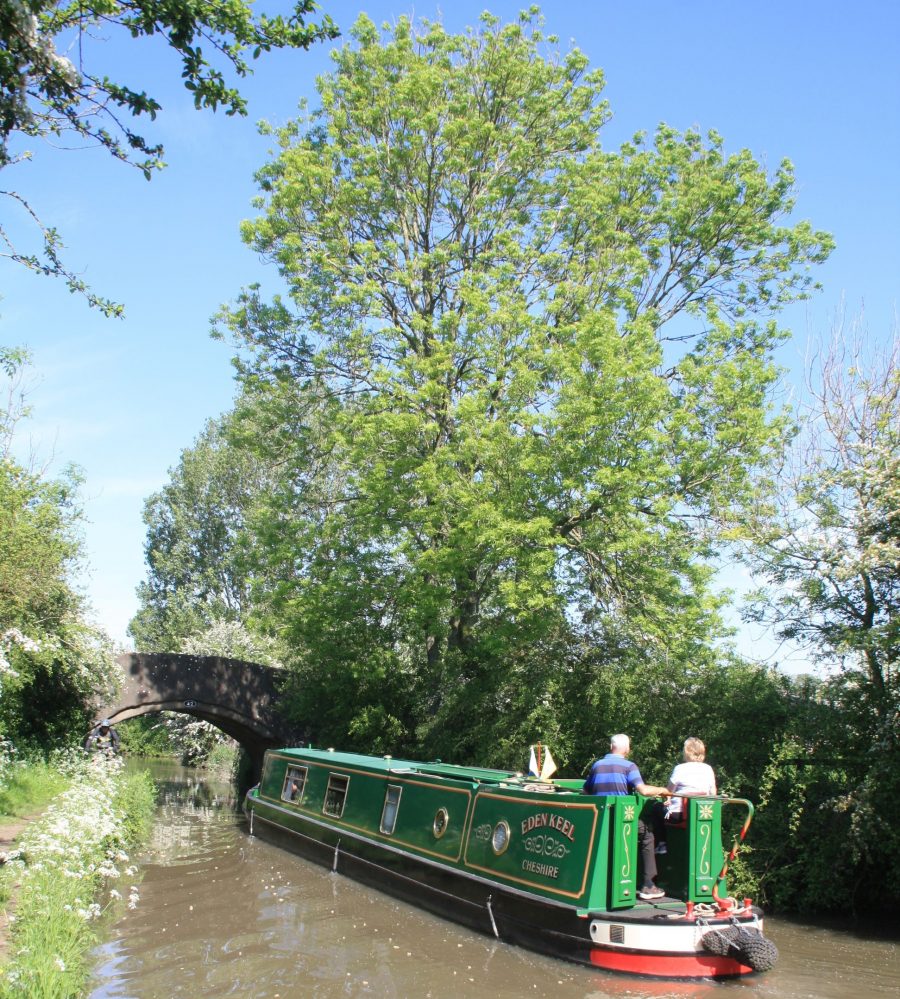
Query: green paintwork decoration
point(532, 861)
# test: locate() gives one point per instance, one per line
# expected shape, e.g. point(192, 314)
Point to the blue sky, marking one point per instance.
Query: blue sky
point(816, 83)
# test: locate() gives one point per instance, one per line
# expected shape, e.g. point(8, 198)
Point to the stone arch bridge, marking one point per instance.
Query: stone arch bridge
point(240, 698)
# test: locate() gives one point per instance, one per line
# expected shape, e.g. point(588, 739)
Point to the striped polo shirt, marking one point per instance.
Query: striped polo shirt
point(612, 775)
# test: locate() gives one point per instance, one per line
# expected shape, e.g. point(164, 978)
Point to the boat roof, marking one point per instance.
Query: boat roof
point(391, 764)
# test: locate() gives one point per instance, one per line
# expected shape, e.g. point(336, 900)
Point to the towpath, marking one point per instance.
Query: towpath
point(10, 830)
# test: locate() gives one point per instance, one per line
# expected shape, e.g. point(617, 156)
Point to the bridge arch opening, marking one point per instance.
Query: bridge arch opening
point(248, 736)
point(240, 698)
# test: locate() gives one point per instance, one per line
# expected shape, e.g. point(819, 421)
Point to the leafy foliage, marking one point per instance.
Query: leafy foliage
point(198, 578)
point(829, 550)
point(530, 377)
point(517, 394)
point(832, 547)
point(52, 662)
point(46, 94)
point(145, 736)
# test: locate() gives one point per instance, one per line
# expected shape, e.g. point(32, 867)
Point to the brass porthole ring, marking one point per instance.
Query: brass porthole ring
point(441, 821)
point(500, 837)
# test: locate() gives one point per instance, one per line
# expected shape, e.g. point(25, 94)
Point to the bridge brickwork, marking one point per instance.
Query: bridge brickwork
point(240, 698)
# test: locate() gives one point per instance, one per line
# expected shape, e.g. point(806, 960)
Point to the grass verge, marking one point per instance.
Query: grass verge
point(61, 868)
point(28, 790)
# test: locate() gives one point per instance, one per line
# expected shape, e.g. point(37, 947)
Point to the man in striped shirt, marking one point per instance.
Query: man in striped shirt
point(616, 774)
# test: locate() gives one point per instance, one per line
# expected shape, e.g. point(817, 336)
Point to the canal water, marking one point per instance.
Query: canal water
point(222, 914)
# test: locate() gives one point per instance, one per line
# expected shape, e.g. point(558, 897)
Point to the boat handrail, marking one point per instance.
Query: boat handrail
point(726, 904)
point(522, 783)
point(424, 771)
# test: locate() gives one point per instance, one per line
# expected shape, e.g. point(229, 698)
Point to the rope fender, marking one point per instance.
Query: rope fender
point(742, 943)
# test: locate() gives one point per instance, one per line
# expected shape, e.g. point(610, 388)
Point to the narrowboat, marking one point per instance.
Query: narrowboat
point(531, 862)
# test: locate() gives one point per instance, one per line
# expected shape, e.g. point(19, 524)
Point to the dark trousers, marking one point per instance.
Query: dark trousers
point(647, 844)
point(654, 814)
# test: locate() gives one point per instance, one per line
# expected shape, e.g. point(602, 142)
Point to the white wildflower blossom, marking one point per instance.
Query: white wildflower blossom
point(9, 638)
point(78, 838)
point(12, 636)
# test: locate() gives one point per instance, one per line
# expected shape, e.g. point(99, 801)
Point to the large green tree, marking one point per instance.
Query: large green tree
point(830, 546)
point(538, 370)
point(197, 540)
point(52, 661)
point(828, 551)
point(45, 93)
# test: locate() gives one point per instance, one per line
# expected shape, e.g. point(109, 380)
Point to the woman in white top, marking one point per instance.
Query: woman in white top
point(691, 779)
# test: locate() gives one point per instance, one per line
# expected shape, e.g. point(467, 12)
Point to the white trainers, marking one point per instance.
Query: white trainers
point(650, 891)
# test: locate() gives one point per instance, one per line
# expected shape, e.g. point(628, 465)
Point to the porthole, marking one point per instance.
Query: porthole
point(441, 821)
point(500, 837)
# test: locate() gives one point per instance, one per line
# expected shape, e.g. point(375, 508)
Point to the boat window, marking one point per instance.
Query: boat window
point(335, 795)
point(294, 784)
point(500, 838)
point(441, 821)
point(391, 805)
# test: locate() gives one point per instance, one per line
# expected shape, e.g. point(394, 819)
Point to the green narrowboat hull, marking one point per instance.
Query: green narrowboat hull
point(532, 863)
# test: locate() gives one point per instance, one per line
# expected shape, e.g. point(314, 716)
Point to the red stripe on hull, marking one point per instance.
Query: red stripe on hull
point(669, 965)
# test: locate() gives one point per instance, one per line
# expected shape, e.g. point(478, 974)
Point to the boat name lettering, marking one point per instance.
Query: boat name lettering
point(549, 819)
point(548, 870)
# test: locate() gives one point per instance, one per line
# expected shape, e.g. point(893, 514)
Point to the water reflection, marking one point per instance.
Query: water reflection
point(224, 914)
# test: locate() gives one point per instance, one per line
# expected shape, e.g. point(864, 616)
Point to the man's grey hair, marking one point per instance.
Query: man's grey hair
point(620, 743)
